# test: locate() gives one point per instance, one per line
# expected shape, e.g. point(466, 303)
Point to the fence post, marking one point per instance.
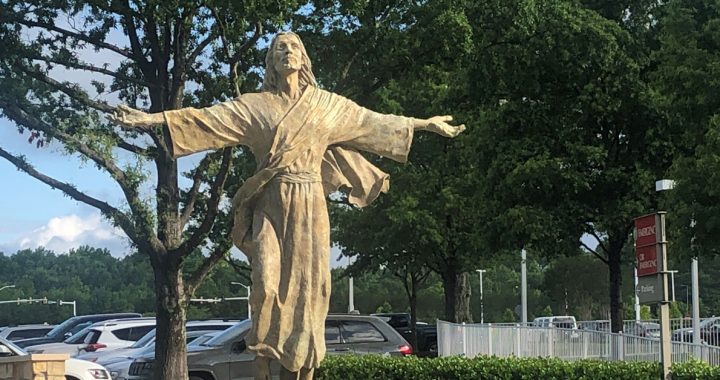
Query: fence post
point(490, 340)
point(464, 339)
point(551, 338)
point(585, 339)
point(519, 332)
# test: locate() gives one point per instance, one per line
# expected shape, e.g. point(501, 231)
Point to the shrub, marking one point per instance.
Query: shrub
point(493, 368)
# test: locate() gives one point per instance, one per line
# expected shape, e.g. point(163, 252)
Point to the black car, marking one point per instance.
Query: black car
point(70, 327)
point(426, 342)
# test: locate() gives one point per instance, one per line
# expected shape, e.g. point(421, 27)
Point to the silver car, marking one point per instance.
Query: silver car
point(225, 356)
point(119, 365)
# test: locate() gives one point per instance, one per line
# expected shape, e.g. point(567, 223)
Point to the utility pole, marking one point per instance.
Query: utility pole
point(523, 285)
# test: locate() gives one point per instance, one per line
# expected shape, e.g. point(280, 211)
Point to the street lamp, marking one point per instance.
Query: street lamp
point(668, 184)
point(672, 282)
point(482, 311)
point(248, 294)
point(7, 286)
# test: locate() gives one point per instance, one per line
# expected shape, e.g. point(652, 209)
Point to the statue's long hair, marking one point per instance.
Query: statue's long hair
point(305, 76)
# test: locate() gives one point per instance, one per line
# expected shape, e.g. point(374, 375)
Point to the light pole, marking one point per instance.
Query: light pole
point(248, 294)
point(687, 298)
point(7, 286)
point(351, 290)
point(672, 282)
point(668, 184)
point(523, 285)
point(482, 311)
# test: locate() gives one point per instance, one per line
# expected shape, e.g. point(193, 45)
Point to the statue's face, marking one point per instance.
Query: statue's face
point(287, 54)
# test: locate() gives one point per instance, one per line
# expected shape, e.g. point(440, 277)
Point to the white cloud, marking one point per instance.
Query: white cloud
point(63, 233)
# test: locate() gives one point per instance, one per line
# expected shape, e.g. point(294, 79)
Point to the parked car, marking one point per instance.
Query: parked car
point(13, 333)
point(709, 332)
point(426, 334)
point(113, 333)
point(644, 329)
point(149, 339)
point(71, 326)
point(556, 321)
point(75, 369)
point(225, 357)
point(601, 326)
point(119, 365)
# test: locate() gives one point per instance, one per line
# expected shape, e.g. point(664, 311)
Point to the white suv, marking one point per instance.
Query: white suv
point(103, 335)
point(149, 340)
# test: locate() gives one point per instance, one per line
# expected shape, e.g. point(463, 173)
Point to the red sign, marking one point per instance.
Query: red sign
point(646, 260)
point(645, 231)
point(645, 245)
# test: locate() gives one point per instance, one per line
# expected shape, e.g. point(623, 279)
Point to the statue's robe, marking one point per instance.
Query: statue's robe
point(304, 150)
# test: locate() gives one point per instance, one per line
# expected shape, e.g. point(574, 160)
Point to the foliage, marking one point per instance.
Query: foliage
point(376, 367)
point(686, 90)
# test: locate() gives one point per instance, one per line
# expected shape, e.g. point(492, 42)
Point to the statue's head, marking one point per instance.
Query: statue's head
point(286, 55)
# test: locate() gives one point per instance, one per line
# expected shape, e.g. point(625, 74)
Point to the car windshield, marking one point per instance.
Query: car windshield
point(145, 340)
point(229, 334)
point(79, 337)
point(59, 330)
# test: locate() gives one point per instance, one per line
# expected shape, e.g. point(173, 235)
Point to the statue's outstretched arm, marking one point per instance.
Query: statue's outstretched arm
point(132, 118)
point(439, 125)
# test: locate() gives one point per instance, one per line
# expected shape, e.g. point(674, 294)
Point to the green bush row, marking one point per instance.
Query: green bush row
point(492, 368)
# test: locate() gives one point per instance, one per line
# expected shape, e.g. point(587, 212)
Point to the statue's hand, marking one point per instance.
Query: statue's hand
point(130, 117)
point(439, 125)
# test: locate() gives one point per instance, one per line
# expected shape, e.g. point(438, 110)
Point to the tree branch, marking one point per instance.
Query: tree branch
point(78, 95)
point(88, 67)
point(117, 216)
point(199, 275)
point(77, 36)
point(212, 208)
point(82, 97)
point(241, 268)
point(193, 192)
point(234, 59)
point(21, 116)
point(600, 242)
point(137, 52)
point(603, 259)
point(201, 47)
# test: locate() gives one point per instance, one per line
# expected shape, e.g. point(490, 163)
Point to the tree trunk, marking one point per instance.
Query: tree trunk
point(617, 312)
point(171, 305)
point(457, 297)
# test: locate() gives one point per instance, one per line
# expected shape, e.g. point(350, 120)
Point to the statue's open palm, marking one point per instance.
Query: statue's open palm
point(439, 125)
point(130, 117)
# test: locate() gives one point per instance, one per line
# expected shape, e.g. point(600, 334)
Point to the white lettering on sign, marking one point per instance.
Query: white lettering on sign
point(647, 289)
point(646, 231)
point(647, 264)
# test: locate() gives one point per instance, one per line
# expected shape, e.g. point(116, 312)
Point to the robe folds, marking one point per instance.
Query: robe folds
point(304, 149)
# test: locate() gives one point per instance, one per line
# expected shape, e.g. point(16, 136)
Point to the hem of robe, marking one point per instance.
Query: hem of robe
point(265, 350)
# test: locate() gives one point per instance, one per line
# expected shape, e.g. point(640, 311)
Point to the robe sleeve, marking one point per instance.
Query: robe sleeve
point(225, 124)
point(385, 135)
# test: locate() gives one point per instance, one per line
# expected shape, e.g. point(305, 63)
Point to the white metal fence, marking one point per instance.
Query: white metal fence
point(471, 340)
